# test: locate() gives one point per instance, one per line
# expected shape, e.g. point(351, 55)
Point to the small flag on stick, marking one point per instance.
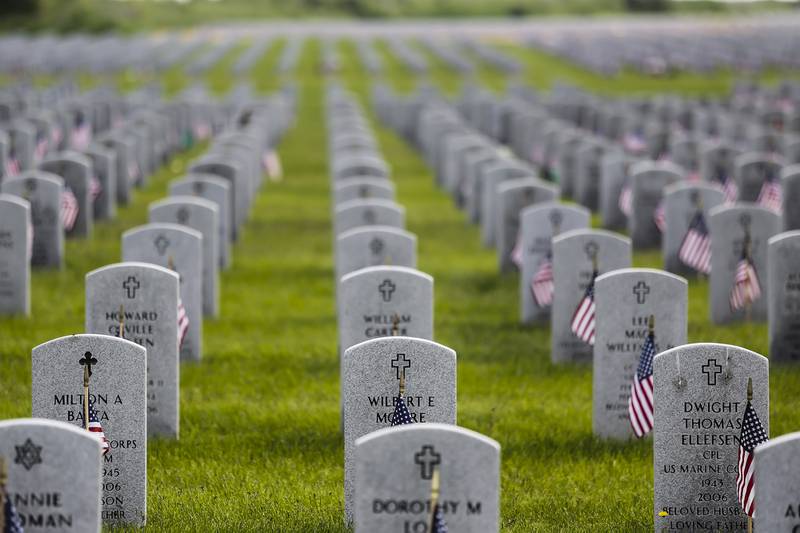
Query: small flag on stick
point(542, 283)
point(752, 435)
point(10, 521)
point(583, 319)
point(401, 415)
point(695, 250)
point(746, 287)
point(640, 404)
point(437, 524)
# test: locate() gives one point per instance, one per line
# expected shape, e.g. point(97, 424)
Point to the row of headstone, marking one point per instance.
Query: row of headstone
point(639, 317)
point(405, 459)
point(143, 316)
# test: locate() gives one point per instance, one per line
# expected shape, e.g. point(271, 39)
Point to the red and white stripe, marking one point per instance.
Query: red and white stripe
point(746, 288)
point(626, 200)
point(583, 320)
point(542, 284)
point(95, 188)
point(12, 167)
point(695, 251)
point(745, 482)
point(771, 196)
point(660, 217)
point(640, 406)
point(516, 252)
point(81, 137)
point(272, 164)
point(183, 323)
point(69, 209)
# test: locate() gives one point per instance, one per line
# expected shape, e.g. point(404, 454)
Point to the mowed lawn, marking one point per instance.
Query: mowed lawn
point(260, 447)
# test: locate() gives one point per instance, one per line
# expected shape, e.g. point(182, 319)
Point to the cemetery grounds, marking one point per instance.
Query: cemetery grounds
point(260, 446)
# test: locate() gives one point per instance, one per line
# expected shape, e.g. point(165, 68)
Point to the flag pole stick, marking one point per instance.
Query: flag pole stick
point(749, 399)
point(748, 296)
point(86, 397)
point(121, 322)
point(434, 496)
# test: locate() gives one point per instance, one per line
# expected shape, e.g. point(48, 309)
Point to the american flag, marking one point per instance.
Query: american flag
point(272, 164)
point(133, 170)
point(41, 147)
point(771, 195)
point(542, 283)
point(695, 250)
point(634, 142)
point(752, 435)
point(69, 209)
point(401, 415)
point(201, 130)
point(640, 404)
point(95, 187)
point(81, 133)
point(626, 200)
point(583, 318)
point(516, 252)
point(183, 322)
point(438, 524)
point(13, 523)
point(12, 166)
point(95, 428)
point(660, 216)
point(746, 288)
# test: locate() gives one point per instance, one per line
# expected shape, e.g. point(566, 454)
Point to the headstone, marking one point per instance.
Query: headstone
point(395, 468)
point(383, 301)
point(76, 171)
point(615, 170)
point(681, 203)
point(362, 189)
point(512, 197)
point(202, 216)
point(371, 373)
point(539, 224)
point(54, 474)
point(104, 166)
point(15, 252)
point(239, 187)
point(43, 191)
point(731, 229)
point(624, 301)
point(177, 248)
point(127, 169)
point(118, 387)
point(490, 179)
point(147, 297)
point(367, 246)
point(573, 253)
point(216, 190)
point(777, 484)
point(699, 398)
point(790, 189)
point(648, 181)
point(752, 169)
point(783, 296)
point(355, 213)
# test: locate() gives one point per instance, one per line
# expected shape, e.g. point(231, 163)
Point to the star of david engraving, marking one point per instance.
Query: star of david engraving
point(386, 289)
point(711, 369)
point(427, 458)
point(28, 455)
point(641, 290)
point(131, 285)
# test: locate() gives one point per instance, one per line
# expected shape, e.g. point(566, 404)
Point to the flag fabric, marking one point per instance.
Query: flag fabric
point(95, 428)
point(272, 164)
point(542, 284)
point(640, 404)
point(12, 167)
point(583, 319)
point(69, 209)
point(41, 147)
point(13, 523)
point(746, 288)
point(133, 170)
point(438, 524)
point(183, 323)
point(634, 142)
point(81, 133)
point(95, 187)
point(660, 216)
point(201, 130)
point(401, 415)
point(752, 435)
point(771, 195)
point(695, 250)
point(516, 251)
point(625, 201)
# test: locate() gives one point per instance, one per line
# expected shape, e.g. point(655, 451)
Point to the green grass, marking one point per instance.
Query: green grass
point(260, 448)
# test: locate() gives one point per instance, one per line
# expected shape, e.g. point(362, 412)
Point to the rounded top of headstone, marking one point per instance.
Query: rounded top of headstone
point(387, 270)
point(790, 171)
point(203, 178)
point(355, 181)
point(377, 343)
point(778, 442)
point(48, 424)
point(743, 207)
point(67, 156)
point(154, 227)
point(428, 427)
point(17, 201)
point(79, 337)
point(785, 236)
point(368, 202)
point(708, 348)
point(757, 157)
point(644, 167)
point(680, 186)
point(132, 264)
point(39, 175)
point(194, 201)
point(555, 205)
point(515, 184)
point(590, 232)
point(635, 271)
point(372, 230)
